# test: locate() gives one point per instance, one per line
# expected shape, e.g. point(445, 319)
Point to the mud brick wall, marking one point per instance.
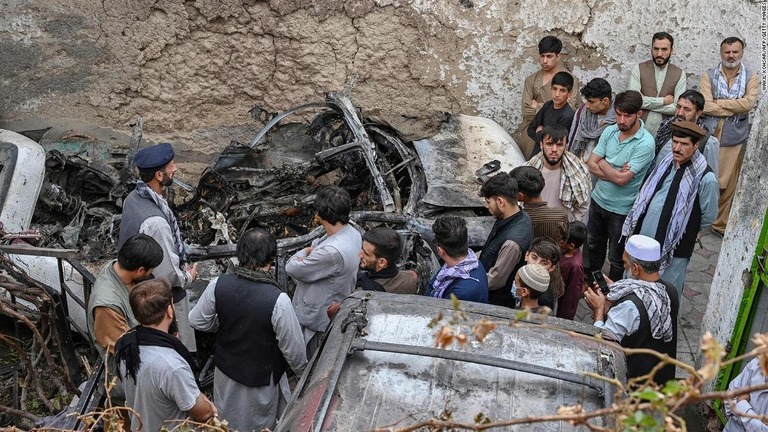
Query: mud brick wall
point(193, 69)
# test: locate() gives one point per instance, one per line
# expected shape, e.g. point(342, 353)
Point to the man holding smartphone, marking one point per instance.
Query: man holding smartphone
point(640, 311)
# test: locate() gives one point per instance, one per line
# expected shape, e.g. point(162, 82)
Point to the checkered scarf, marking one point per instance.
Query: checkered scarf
point(655, 299)
point(447, 275)
point(720, 88)
point(575, 183)
point(686, 196)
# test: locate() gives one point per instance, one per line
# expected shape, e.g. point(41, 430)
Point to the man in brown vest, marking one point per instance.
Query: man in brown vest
point(660, 82)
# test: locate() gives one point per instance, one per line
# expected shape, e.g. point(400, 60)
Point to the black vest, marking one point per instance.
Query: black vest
point(517, 228)
point(641, 364)
point(687, 242)
point(246, 344)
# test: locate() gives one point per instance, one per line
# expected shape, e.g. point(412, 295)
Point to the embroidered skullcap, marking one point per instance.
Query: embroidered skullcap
point(688, 128)
point(643, 248)
point(535, 277)
point(155, 156)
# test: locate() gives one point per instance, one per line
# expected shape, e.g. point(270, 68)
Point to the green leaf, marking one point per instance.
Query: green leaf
point(672, 387)
point(455, 301)
point(649, 395)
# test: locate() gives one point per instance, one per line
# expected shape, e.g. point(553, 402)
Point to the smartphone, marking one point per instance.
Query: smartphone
point(597, 276)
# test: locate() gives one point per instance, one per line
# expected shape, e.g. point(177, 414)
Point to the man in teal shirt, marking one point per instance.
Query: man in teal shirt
point(620, 161)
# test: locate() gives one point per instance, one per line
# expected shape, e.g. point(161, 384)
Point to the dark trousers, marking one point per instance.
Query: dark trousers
point(605, 227)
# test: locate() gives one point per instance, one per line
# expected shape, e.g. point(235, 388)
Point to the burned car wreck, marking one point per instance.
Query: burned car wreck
point(271, 181)
point(74, 200)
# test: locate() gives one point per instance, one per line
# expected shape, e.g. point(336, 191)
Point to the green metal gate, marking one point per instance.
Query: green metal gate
point(743, 328)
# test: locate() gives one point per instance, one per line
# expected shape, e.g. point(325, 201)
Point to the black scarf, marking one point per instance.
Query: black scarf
point(127, 348)
point(367, 280)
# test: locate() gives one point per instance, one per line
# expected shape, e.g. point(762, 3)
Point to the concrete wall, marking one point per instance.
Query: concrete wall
point(740, 242)
point(194, 68)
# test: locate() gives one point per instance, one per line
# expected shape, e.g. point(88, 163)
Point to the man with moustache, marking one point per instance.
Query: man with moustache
point(378, 264)
point(620, 161)
point(689, 108)
point(146, 211)
point(639, 311)
point(730, 92)
point(567, 181)
point(660, 82)
point(676, 202)
point(504, 250)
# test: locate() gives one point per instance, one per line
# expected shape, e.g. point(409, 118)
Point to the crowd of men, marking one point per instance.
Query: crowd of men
point(634, 178)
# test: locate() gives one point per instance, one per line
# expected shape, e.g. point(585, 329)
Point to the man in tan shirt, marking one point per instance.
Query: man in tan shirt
point(109, 311)
point(536, 89)
point(730, 92)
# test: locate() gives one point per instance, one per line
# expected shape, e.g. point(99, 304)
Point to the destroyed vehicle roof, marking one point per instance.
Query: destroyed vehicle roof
point(451, 158)
point(378, 366)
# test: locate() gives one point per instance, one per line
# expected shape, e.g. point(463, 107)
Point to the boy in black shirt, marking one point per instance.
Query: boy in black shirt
point(556, 112)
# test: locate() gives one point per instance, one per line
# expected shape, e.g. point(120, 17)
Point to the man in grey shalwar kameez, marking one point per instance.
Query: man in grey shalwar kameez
point(257, 337)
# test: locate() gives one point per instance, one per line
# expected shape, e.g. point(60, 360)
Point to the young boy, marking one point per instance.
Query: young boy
point(531, 281)
point(572, 270)
point(555, 112)
point(546, 252)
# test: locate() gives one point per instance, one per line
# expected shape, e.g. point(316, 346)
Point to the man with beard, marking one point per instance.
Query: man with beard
point(325, 272)
point(509, 239)
point(620, 161)
point(378, 264)
point(566, 178)
point(678, 201)
point(146, 211)
point(536, 89)
point(157, 370)
point(689, 108)
point(641, 311)
point(730, 92)
point(660, 82)
point(109, 312)
point(258, 336)
point(591, 119)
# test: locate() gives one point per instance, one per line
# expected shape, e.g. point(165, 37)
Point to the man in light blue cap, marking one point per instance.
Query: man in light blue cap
point(146, 211)
point(640, 311)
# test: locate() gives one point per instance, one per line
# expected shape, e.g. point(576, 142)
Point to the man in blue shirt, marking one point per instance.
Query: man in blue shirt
point(620, 161)
point(462, 274)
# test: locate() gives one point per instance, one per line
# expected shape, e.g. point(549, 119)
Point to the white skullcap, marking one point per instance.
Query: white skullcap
point(534, 276)
point(643, 248)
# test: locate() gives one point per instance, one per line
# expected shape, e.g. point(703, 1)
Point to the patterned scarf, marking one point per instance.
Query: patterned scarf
point(665, 130)
point(447, 275)
point(655, 299)
point(720, 88)
point(587, 128)
point(684, 200)
point(257, 275)
point(575, 182)
point(146, 192)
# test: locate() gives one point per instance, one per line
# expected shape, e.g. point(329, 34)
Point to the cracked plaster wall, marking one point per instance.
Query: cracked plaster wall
point(192, 69)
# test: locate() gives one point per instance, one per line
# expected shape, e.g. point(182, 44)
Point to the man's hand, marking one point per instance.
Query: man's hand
point(596, 301)
point(625, 167)
point(668, 99)
point(534, 104)
point(192, 270)
point(307, 250)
